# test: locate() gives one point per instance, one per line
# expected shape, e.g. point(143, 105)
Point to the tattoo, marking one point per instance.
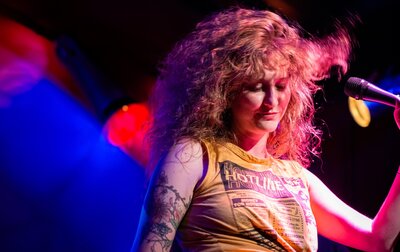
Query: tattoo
point(166, 207)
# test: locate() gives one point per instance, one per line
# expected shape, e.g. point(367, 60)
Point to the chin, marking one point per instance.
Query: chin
point(268, 127)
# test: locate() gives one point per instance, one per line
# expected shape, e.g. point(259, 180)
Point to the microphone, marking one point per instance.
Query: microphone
point(363, 90)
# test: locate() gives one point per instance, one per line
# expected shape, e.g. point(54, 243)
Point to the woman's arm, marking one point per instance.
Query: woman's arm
point(341, 223)
point(169, 196)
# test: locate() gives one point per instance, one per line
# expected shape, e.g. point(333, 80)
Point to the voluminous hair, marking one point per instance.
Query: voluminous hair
point(200, 78)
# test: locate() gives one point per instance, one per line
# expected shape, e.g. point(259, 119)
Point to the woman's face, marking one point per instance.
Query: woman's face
point(260, 106)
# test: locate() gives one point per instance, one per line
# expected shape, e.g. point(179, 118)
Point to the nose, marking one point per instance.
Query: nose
point(270, 98)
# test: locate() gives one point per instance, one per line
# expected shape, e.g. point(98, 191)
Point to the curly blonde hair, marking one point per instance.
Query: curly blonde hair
point(205, 71)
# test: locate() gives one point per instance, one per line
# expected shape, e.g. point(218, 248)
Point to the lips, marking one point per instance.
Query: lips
point(268, 115)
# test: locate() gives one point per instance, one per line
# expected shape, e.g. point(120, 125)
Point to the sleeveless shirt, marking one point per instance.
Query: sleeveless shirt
point(245, 203)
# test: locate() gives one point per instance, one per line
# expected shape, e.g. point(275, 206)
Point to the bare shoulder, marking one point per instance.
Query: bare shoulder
point(186, 150)
point(312, 179)
point(184, 161)
point(309, 174)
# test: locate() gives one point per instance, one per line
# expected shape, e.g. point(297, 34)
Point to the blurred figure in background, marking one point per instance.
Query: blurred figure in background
point(63, 186)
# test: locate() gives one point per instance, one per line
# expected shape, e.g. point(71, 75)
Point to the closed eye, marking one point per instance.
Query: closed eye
point(257, 87)
point(281, 86)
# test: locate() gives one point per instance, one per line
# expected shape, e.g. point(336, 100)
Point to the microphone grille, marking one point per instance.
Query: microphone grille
point(354, 87)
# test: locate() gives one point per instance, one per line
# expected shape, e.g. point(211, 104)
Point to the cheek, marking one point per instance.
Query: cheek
point(250, 101)
point(244, 106)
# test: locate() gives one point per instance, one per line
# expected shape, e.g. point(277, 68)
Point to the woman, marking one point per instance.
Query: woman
point(233, 131)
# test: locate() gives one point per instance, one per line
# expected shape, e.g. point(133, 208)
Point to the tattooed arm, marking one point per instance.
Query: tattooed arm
point(169, 196)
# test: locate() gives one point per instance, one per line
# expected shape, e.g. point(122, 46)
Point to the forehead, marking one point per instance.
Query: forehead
point(268, 76)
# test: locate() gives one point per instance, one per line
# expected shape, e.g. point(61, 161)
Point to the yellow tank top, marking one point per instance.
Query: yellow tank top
point(248, 204)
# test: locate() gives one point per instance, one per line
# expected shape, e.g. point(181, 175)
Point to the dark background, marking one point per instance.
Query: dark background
point(125, 40)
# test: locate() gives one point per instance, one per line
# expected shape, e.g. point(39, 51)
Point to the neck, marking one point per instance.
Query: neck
point(255, 145)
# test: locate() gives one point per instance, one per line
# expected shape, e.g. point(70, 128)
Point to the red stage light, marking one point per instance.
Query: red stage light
point(126, 128)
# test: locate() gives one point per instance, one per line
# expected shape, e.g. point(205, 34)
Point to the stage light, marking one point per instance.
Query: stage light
point(126, 128)
point(359, 111)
